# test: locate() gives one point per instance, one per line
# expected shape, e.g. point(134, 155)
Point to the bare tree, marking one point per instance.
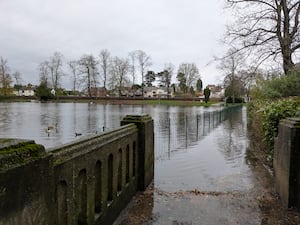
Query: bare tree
point(144, 62)
point(132, 65)
point(104, 65)
point(74, 68)
point(119, 71)
point(5, 78)
point(231, 67)
point(17, 77)
point(18, 81)
point(89, 72)
point(44, 73)
point(55, 69)
point(248, 78)
point(187, 75)
point(269, 28)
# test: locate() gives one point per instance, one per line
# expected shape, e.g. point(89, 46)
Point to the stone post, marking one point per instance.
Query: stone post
point(287, 162)
point(145, 149)
point(26, 188)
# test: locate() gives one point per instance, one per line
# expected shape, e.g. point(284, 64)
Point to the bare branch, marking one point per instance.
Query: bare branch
point(265, 26)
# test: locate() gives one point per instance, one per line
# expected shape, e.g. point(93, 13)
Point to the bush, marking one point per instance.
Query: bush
point(281, 87)
point(269, 115)
point(266, 112)
point(43, 92)
point(236, 100)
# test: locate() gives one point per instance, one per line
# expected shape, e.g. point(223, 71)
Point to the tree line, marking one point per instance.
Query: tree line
point(105, 71)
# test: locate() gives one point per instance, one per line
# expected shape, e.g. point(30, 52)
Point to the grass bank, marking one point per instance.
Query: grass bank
point(119, 101)
point(162, 102)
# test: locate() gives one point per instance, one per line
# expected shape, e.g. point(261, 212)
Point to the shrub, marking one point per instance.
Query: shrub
point(281, 87)
point(264, 118)
point(272, 113)
point(236, 100)
point(43, 92)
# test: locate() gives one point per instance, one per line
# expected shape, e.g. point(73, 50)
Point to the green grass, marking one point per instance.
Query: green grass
point(125, 101)
point(172, 102)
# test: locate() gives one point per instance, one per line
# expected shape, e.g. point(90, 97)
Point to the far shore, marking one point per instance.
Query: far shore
point(176, 101)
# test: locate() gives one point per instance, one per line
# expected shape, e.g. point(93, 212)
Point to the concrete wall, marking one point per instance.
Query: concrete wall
point(26, 189)
point(287, 162)
point(86, 182)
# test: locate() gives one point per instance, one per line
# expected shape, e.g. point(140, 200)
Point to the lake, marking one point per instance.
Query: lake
point(196, 148)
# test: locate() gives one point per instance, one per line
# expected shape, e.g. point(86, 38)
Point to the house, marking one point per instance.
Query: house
point(24, 91)
point(163, 92)
point(96, 91)
point(158, 92)
point(150, 92)
point(216, 91)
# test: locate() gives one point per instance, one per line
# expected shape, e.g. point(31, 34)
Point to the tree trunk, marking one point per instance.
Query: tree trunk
point(288, 64)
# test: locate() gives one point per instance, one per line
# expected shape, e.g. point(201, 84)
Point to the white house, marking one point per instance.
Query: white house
point(157, 92)
point(24, 92)
point(150, 92)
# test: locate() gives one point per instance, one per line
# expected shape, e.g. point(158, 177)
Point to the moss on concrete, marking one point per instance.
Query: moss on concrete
point(14, 152)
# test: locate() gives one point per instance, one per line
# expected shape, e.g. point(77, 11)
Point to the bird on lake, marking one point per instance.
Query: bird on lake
point(50, 129)
point(77, 134)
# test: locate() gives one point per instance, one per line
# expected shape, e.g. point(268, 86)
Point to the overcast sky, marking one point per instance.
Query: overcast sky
point(170, 31)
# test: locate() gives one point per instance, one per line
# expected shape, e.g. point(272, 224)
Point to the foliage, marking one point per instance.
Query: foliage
point(206, 94)
point(199, 85)
point(43, 92)
point(273, 113)
point(234, 89)
point(264, 118)
point(187, 75)
point(150, 78)
point(279, 87)
point(235, 100)
point(192, 91)
point(165, 76)
point(182, 82)
point(273, 102)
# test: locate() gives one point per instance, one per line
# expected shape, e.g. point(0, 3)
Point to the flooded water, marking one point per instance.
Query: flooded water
point(202, 172)
point(211, 156)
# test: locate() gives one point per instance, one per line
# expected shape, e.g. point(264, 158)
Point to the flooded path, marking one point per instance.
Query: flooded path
point(206, 172)
point(215, 180)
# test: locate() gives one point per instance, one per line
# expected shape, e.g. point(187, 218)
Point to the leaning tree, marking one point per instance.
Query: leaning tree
point(268, 28)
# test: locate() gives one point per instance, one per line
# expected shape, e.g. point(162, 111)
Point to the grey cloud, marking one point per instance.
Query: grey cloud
point(169, 30)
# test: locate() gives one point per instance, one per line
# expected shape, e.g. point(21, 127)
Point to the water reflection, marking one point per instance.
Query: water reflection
point(181, 129)
point(233, 141)
point(194, 146)
point(210, 158)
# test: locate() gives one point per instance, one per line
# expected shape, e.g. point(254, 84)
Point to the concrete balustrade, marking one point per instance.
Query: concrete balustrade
point(86, 182)
point(287, 162)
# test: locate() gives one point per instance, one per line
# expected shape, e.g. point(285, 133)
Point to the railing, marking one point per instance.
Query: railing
point(181, 132)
